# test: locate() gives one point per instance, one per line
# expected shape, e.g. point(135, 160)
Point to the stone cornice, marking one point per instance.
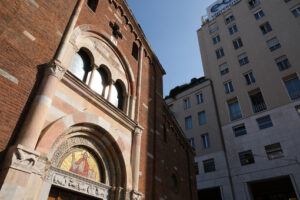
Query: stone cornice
point(86, 92)
point(140, 31)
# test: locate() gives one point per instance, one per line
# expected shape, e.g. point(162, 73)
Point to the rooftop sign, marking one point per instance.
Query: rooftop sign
point(219, 7)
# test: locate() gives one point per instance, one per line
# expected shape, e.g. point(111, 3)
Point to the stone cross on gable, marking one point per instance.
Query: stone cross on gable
point(115, 30)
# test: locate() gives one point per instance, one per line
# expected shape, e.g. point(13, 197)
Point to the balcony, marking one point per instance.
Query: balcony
point(259, 107)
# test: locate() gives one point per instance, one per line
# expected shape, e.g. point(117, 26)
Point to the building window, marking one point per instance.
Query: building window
point(273, 44)
point(199, 98)
point(205, 141)
point(249, 77)
point(192, 143)
point(293, 87)
point(233, 29)
point(296, 11)
point(243, 59)
point(92, 4)
point(209, 165)
point(298, 109)
point(265, 28)
point(264, 122)
point(246, 157)
point(223, 69)
point(234, 110)
point(237, 43)
point(202, 118)
point(253, 3)
point(186, 103)
point(239, 130)
point(228, 87)
point(257, 100)
point(81, 66)
point(259, 14)
point(229, 18)
point(117, 96)
point(283, 63)
point(135, 51)
point(274, 151)
point(216, 39)
point(220, 53)
point(188, 123)
point(213, 28)
point(196, 168)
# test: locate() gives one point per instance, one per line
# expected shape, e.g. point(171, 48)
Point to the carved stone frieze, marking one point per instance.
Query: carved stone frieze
point(26, 160)
point(77, 183)
point(56, 69)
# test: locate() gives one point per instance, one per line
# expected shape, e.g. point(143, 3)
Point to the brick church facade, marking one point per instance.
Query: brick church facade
point(82, 113)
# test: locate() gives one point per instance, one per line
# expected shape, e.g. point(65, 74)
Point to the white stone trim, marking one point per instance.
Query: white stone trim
point(42, 99)
point(34, 3)
point(28, 35)
point(8, 76)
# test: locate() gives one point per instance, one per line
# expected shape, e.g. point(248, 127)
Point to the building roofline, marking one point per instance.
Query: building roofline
point(144, 38)
point(184, 87)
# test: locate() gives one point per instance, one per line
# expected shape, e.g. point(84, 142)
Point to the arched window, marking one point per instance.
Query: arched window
point(100, 81)
point(135, 50)
point(92, 4)
point(81, 66)
point(117, 95)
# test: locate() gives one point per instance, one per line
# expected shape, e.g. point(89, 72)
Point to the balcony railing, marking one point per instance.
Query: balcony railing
point(259, 107)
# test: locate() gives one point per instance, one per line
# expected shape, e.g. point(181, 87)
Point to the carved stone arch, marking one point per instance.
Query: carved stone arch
point(88, 131)
point(90, 31)
point(53, 135)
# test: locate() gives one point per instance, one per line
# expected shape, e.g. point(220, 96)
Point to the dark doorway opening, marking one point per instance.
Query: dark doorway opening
point(62, 194)
point(210, 194)
point(273, 189)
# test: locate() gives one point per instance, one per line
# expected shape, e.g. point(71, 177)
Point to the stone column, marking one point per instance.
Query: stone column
point(94, 68)
point(36, 117)
point(139, 80)
point(137, 136)
point(109, 90)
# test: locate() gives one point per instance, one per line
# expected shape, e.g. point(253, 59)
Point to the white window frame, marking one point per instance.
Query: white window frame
point(228, 86)
point(223, 69)
point(199, 98)
point(186, 103)
point(258, 13)
point(297, 9)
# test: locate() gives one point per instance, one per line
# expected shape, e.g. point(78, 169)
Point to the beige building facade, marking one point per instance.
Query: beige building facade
point(193, 105)
point(250, 52)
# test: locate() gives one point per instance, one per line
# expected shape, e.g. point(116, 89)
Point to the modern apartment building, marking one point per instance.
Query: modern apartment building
point(193, 105)
point(81, 106)
point(250, 52)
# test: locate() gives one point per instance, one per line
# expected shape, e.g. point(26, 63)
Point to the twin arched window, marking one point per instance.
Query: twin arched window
point(97, 78)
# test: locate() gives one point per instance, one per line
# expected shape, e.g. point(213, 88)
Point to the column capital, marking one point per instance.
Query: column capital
point(138, 130)
point(56, 69)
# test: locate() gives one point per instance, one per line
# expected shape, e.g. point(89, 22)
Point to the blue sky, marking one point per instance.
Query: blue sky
point(170, 27)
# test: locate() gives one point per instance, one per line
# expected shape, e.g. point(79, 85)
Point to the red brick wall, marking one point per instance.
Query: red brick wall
point(20, 57)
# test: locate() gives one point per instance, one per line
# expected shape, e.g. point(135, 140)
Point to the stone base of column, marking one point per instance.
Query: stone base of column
point(22, 174)
point(136, 195)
